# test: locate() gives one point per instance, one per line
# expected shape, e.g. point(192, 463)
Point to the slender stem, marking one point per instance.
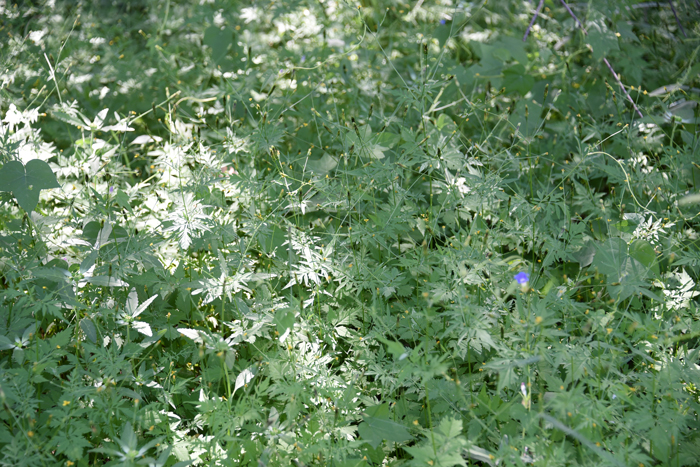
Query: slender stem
point(573, 15)
point(622, 86)
point(537, 12)
point(678, 21)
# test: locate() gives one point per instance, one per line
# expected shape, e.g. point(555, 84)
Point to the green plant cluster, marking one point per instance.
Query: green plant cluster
point(349, 234)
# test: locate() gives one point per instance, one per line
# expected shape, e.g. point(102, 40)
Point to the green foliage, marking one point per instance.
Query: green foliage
point(349, 234)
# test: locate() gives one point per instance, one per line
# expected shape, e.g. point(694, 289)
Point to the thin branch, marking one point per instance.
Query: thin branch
point(678, 21)
point(573, 15)
point(623, 87)
point(537, 12)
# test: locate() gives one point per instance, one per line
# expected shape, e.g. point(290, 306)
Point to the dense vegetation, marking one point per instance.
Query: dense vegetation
point(349, 234)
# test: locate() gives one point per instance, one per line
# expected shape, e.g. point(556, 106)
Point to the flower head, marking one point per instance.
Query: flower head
point(522, 278)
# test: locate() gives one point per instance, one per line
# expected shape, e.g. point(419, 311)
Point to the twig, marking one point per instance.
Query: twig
point(623, 87)
point(678, 21)
point(537, 12)
point(573, 15)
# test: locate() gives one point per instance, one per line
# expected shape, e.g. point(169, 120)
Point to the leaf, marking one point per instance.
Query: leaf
point(6, 343)
point(192, 334)
point(26, 182)
point(323, 165)
point(449, 442)
point(122, 200)
point(89, 261)
point(284, 319)
point(52, 274)
point(610, 256)
point(585, 255)
point(143, 328)
point(643, 251)
point(105, 281)
point(442, 33)
point(67, 117)
point(243, 378)
point(689, 199)
point(451, 427)
point(395, 348)
point(480, 454)
point(601, 41)
point(132, 304)
point(627, 276)
point(516, 79)
point(365, 144)
point(88, 328)
point(582, 439)
point(632, 280)
point(376, 430)
point(143, 139)
point(18, 355)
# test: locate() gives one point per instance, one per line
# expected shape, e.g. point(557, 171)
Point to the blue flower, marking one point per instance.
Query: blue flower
point(442, 21)
point(522, 278)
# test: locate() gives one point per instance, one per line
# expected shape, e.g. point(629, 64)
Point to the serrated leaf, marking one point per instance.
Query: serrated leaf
point(376, 430)
point(68, 118)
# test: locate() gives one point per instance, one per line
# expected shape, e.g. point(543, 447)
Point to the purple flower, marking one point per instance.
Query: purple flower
point(303, 58)
point(442, 21)
point(522, 278)
point(111, 190)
